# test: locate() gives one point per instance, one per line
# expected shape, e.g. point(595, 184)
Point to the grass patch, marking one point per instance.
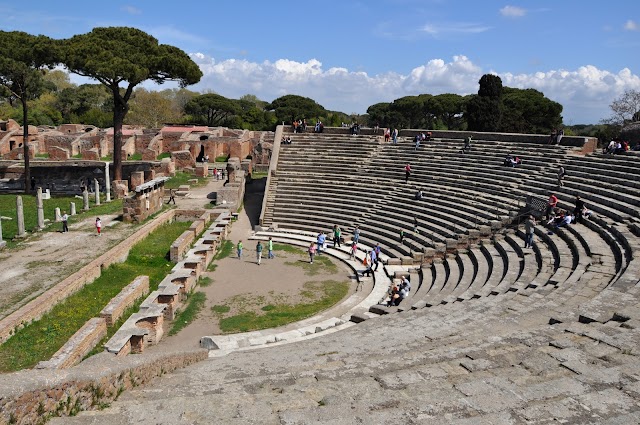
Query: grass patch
point(224, 251)
point(288, 248)
point(135, 157)
point(164, 155)
point(8, 209)
point(40, 339)
point(190, 313)
point(182, 178)
point(257, 175)
point(220, 309)
point(77, 156)
point(223, 158)
point(205, 281)
point(209, 205)
point(42, 155)
point(321, 265)
point(326, 294)
point(106, 158)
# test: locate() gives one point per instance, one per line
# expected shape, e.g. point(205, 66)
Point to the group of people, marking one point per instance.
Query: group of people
point(397, 293)
point(556, 136)
point(616, 147)
point(299, 126)
point(286, 140)
point(259, 250)
point(512, 161)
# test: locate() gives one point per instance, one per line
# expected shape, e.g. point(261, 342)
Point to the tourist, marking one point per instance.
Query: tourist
point(312, 252)
point(239, 249)
point(387, 135)
point(561, 175)
point(407, 173)
point(610, 147)
point(356, 234)
point(336, 236)
point(559, 136)
point(416, 140)
point(467, 144)
point(419, 195)
point(99, 226)
point(367, 264)
point(270, 254)
point(401, 237)
point(551, 204)
point(172, 197)
point(394, 136)
point(259, 252)
point(529, 228)
point(373, 258)
point(553, 137)
point(376, 127)
point(509, 161)
point(33, 183)
point(428, 138)
point(579, 209)
point(377, 252)
point(65, 221)
point(321, 241)
point(354, 250)
point(415, 225)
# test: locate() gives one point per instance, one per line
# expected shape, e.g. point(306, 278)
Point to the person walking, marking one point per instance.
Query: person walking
point(99, 226)
point(356, 234)
point(259, 252)
point(394, 136)
point(312, 252)
point(336, 235)
point(270, 254)
point(529, 226)
point(172, 197)
point(407, 173)
point(415, 224)
point(65, 222)
point(353, 249)
point(561, 175)
point(239, 249)
point(551, 205)
point(401, 236)
point(377, 251)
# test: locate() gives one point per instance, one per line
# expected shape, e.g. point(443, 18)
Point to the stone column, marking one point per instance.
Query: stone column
point(20, 213)
point(96, 185)
point(2, 242)
point(58, 214)
point(40, 206)
point(107, 182)
point(72, 208)
point(85, 200)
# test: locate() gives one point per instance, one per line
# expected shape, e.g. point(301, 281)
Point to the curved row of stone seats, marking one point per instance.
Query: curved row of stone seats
point(467, 364)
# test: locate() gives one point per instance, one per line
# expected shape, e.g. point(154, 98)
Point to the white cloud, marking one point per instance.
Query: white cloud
point(513, 11)
point(585, 92)
point(131, 10)
point(454, 28)
point(631, 25)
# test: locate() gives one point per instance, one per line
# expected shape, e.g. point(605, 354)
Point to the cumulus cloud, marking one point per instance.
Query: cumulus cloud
point(631, 25)
point(513, 11)
point(585, 92)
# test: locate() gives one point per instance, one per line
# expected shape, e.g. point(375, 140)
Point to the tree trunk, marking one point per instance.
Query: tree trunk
point(119, 112)
point(25, 147)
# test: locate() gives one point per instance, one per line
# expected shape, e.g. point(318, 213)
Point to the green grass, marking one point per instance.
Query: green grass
point(321, 295)
point(205, 281)
point(135, 157)
point(219, 309)
point(223, 158)
point(288, 248)
point(190, 313)
point(77, 156)
point(164, 155)
point(106, 158)
point(257, 175)
point(321, 265)
point(8, 209)
point(40, 339)
point(42, 155)
point(182, 178)
point(225, 250)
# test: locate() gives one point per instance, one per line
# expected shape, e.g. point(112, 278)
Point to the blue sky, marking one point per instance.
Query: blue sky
point(348, 55)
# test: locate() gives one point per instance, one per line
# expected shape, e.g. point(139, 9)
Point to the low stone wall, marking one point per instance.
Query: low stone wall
point(181, 245)
point(125, 299)
point(78, 346)
point(45, 302)
point(28, 396)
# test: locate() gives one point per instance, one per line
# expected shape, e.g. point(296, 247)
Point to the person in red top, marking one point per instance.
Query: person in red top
point(407, 172)
point(551, 204)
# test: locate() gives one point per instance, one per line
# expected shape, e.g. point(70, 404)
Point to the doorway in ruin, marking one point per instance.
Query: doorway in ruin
point(12, 144)
point(200, 157)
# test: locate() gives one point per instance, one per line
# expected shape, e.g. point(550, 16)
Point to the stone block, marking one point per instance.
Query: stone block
point(126, 298)
point(78, 346)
